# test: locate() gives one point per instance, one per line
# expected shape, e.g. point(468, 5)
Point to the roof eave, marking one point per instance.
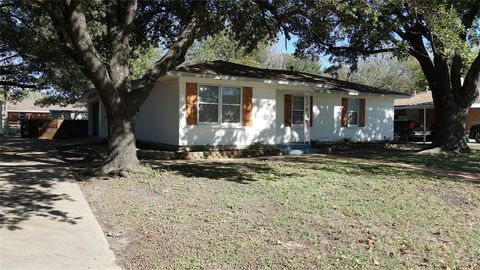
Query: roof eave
point(316, 87)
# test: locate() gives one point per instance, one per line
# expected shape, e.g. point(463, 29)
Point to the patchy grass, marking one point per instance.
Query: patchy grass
point(296, 213)
point(460, 162)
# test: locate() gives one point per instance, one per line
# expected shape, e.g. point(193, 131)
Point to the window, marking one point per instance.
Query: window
point(214, 107)
point(22, 115)
point(353, 111)
point(297, 110)
point(208, 100)
point(231, 104)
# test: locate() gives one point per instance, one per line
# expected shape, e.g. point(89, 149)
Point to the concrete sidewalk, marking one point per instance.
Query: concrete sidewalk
point(45, 221)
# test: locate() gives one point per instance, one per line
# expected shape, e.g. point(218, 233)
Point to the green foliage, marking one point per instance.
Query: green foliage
point(387, 72)
point(203, 147)
point(349, 30)
point(32, 59)
point(448, 31)
point(225, 47)
point(143, 61)
point(257, 145)
point(303, 65)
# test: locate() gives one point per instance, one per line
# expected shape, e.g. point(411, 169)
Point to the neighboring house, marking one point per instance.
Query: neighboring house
point(225, 104)
point(420, 106)
point(26, 109)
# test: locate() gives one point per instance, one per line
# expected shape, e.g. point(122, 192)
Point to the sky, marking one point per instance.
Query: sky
point(289, 48)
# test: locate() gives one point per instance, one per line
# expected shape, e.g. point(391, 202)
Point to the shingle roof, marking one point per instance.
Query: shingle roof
point(28, 105)
point(231, 69)
point(423, 98)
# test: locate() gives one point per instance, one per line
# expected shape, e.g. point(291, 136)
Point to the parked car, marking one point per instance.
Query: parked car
point(410, 130)
point(475, 132)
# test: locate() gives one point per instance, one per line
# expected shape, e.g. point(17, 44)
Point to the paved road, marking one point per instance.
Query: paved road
point(45, 221)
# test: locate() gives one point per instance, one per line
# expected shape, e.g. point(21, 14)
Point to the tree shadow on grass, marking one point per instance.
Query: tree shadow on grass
point(27, 178)
point(238, 172)
point(254, 169)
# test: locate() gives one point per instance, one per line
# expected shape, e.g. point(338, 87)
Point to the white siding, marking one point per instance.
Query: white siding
point(263, 119)
point(328, 112)
point(157, 119)
point(162, 119)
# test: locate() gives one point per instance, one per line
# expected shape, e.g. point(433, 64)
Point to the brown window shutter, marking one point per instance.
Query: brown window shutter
point(247, 106)
point(344, 112)
point(361, 113)
point(288, 111)
point(311, 111)
point(191, 102)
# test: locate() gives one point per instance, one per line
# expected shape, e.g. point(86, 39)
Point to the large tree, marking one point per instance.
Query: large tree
point(439, 34)
point(102, 37)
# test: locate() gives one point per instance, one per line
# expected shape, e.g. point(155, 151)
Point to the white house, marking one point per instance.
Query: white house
point(224, 104)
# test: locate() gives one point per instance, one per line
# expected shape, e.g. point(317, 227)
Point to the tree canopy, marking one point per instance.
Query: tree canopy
point(31, 59)
point(224, 46)
point(440, 34)
point(387, 72)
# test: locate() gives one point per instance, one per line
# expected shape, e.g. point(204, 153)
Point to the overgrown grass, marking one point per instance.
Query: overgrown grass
point(294, 213)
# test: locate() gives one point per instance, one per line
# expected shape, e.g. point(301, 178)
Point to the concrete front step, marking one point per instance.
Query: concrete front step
point(301, 151)
point(297, 149)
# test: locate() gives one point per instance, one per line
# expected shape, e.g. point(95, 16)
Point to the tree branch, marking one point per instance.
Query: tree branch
point(457, 61)
point(280, 18)
point(9, 57)
point(471, 83)
point(129, 17)
point(363, 51)
point(119, 25)
point(418, 50)
point(17, 84)
point(175, 54)
point(70, 18)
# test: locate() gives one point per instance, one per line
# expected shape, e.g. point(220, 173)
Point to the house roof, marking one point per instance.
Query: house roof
point(28, 105)
point(231, 69)
point(420, 99)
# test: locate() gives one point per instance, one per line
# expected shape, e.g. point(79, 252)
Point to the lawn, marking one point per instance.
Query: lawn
point(305, 212)
point(408, 155)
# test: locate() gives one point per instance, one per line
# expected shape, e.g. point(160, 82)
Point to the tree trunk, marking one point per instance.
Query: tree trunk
point(122, 150)
point(450, 122)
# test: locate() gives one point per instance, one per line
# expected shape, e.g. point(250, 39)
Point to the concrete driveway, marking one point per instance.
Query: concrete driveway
point(45, 221)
